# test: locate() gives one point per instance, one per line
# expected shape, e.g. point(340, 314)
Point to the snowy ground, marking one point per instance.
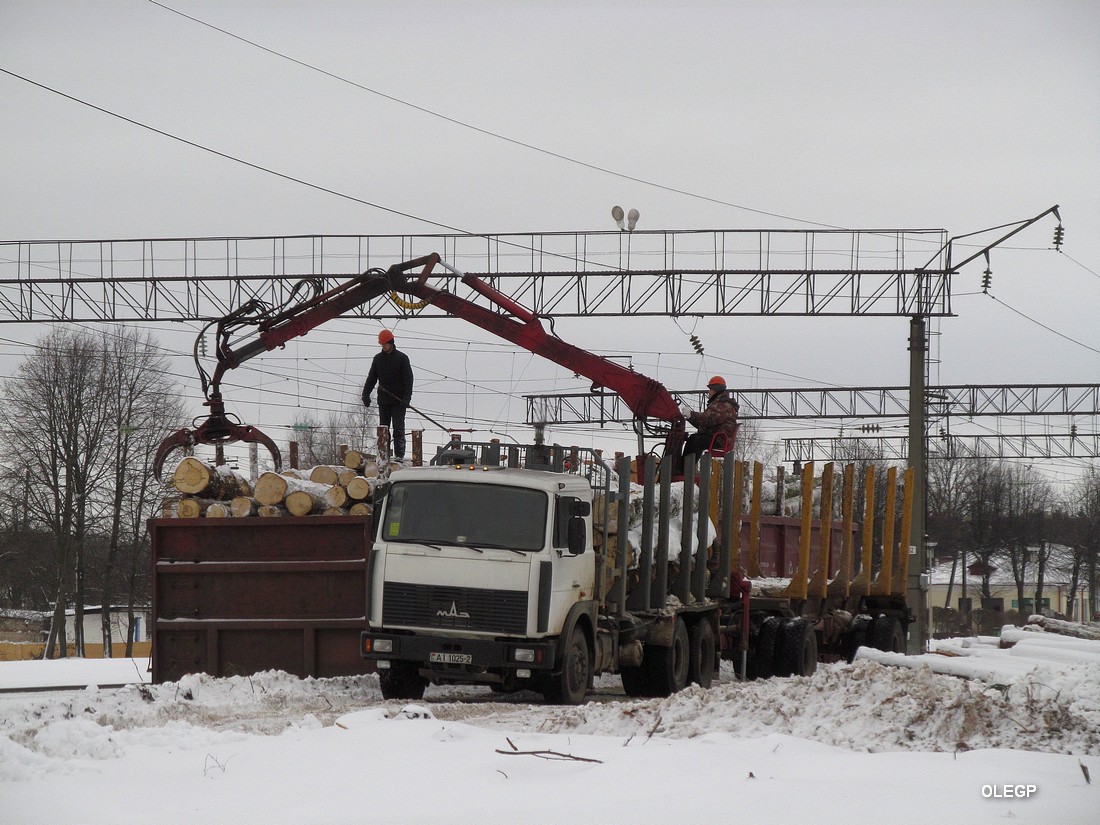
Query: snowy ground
point(1017, 739)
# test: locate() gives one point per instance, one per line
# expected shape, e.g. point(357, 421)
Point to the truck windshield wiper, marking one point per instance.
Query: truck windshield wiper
point(503, 547)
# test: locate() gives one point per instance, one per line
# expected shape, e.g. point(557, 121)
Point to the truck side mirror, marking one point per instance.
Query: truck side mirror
point(578, 536)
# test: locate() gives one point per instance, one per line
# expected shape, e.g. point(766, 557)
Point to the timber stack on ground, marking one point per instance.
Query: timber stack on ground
point(205, 491)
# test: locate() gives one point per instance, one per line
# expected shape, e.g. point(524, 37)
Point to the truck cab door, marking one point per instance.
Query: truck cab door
point(574, 561)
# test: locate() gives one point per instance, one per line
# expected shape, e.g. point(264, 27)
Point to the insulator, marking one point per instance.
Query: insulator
point(696, 344)
point(987, 280)
point(202, 345)
point(1059, 234)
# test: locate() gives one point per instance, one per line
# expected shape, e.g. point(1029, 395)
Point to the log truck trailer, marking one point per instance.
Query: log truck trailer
point(516, 572)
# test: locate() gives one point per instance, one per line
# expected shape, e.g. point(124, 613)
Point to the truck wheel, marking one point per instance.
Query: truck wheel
point(402, 680)
point(886, 634)
point(797, 654)
point(856, 637)
point(570, 686)
point(701, 654)
point(767, 642)
point(668, 666)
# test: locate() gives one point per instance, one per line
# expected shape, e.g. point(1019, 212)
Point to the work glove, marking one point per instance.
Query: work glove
point(685, 411)
point(366, 400)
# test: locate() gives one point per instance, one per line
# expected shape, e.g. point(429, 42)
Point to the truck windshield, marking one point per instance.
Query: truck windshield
point(473, 515)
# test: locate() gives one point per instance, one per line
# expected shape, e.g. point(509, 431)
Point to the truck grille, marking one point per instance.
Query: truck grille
point(454, 608)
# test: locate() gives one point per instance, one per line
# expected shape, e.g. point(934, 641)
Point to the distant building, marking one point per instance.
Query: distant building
point(23, 625)
point(1004, 596)
point(93, 625)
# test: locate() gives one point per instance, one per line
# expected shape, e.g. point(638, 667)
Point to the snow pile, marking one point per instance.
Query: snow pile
point(868, 707)
point(864, 706)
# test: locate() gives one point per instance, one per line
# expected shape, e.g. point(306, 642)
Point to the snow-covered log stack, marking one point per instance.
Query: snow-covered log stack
point(220, 492)
point(634, 532)
point(1089, 630)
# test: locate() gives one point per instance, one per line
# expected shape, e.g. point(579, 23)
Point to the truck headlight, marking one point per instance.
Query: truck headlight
point(383, 645)
point(523, 654)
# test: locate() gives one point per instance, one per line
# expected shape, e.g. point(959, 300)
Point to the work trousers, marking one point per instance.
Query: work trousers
point(393, 416)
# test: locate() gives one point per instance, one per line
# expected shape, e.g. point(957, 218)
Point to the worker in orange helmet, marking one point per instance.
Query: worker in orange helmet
point(716, 424)
point(392, 372)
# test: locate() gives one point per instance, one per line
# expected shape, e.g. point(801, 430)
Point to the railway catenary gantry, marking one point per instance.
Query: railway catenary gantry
point(988, 445)
point(867, 272)
point(963, 400)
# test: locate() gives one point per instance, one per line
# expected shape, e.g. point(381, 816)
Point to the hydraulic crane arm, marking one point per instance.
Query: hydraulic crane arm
point(274, 329)
point(647, 398)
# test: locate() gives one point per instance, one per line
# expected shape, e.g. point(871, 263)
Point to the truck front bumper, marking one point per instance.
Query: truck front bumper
point(446, 654)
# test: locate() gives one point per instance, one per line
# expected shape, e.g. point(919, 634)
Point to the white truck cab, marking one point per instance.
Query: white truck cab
point(477, 574)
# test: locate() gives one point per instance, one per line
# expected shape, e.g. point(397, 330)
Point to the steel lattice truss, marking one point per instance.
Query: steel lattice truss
point(890, 272)
point(1020, 446)
point(841, 403)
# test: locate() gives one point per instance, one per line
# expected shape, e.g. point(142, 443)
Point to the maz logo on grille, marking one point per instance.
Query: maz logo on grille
point(453, 613)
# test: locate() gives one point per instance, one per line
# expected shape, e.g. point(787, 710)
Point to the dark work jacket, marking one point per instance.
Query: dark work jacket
point(391, 371)
point(719, 416)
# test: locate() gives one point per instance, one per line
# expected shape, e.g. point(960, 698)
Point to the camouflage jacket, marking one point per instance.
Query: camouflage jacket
point(719, 416)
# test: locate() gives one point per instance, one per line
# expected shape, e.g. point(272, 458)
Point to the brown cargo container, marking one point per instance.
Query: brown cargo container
point(237, 596)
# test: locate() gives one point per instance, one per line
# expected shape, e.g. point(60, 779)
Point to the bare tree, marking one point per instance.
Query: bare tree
point(1027, 500)
point(319, 442)
point(1077, 526)
point(985, 514)
point(947, 486)
point(142, 409)
point(65, 427)
point(53, 426)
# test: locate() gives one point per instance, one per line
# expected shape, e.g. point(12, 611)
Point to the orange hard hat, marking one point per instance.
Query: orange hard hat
point(385, 337)
point(717, 381)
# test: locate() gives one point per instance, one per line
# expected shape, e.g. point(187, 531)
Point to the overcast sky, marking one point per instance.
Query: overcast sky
point(954, 115)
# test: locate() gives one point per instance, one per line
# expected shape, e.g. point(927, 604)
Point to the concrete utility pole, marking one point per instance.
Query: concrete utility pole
point(918, 556)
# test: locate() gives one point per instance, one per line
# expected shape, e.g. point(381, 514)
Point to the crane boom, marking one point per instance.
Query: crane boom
point(646, 397)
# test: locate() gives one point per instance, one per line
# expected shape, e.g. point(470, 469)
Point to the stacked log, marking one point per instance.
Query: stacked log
point(204, 491)
point(195, 478)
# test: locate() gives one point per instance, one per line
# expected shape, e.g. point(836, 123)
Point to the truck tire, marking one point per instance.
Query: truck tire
point(886, 635)
point(667, 669)
point(701, 654)
point(857, 636)
point(570, 686)
point(401, 680)
point(762, 660)
point(797, 649)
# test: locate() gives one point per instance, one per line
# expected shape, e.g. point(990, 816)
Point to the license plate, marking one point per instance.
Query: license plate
point(451, 658)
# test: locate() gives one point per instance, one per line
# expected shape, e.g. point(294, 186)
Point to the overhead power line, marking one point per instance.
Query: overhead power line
point(489, 133)
point(233, 158)
point(1044, 326)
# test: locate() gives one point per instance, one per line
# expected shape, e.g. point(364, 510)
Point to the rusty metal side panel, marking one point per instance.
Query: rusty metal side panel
point(238, 596)
point(779, 537)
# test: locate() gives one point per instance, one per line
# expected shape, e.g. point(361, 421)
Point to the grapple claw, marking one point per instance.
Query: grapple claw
point(216, 428)
point(179, 440)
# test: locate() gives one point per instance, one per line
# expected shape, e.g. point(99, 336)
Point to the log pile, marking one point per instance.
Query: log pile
point(204, 491)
